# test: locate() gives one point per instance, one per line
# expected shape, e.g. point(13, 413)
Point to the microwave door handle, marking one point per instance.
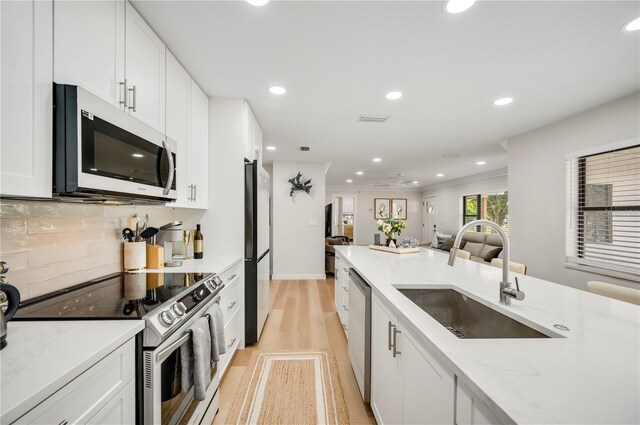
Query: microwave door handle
point(172, 169)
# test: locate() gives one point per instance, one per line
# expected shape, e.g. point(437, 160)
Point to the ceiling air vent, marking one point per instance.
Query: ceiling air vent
point(373, 118)
point(304, 149)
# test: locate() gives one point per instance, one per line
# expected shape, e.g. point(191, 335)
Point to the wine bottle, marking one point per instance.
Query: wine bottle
point(197, 243)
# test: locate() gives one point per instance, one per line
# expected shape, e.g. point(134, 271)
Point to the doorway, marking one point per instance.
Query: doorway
point(429, 217)
point(343, 221)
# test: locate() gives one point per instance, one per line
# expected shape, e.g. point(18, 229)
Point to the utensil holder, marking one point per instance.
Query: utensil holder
point(135, 256)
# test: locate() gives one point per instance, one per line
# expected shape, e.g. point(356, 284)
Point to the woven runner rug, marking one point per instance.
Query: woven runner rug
point(290, 388)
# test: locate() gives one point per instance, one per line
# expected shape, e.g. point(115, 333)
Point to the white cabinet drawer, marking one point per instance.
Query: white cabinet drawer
point(233, 273)
point(232, 339)
point(86, 395)
point(120, 410)
point(229, 300)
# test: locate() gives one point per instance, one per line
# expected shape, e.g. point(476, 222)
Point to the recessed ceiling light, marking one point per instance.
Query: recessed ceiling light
point(271, 148)
point(439, 175)
point(503, 101)
point(277, 90)
point(415, 182)
point(377, 159)
point(480, 163)
point(359, 173)
point(457, 6)
point(394, 95)
point(137, 155)
point(632, 25)
point(349, 181)
point(257, 2)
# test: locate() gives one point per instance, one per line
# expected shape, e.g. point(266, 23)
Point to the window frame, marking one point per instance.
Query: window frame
point(478, 214)
point(581, 207)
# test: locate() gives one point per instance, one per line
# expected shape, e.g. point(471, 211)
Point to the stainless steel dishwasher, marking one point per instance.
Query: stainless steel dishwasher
point(360, 332)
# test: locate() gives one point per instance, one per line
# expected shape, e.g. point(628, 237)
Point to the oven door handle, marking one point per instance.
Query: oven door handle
point(172, 169)
point(162, 355)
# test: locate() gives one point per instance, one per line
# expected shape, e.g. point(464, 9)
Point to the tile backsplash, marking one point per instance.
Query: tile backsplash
point(51, 245)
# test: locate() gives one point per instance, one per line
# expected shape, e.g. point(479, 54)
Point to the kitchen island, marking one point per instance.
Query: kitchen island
point(589, 373)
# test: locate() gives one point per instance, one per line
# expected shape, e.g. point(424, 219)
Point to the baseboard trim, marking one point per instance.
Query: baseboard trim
point(298, 276)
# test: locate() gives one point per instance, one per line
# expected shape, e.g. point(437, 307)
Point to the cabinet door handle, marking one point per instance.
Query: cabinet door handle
point(123, 93)
point(395, 341)
point(345, 307)
point(345, 289)
point(231, 305)
point(233, 276)
point(195, 193)
point(64, 422)
point(233, 341)
point(132, 90)
point(391, 326)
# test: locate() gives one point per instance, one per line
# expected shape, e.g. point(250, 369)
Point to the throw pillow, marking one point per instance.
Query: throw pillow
point(490, 255)
point(441, 241)
point(448, 244)
point(473, 248)
point(436, 235)
point(487, 248)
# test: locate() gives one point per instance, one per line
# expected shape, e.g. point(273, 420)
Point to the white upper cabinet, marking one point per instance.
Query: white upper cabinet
point(198, 171)
point(89, 47)
point(177, 122)
point(145, 71)
point(26, 58)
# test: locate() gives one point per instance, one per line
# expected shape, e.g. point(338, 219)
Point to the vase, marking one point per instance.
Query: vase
point(389, 239)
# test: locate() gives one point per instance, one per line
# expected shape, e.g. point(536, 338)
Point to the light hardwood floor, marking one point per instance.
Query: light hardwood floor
point(302, 317)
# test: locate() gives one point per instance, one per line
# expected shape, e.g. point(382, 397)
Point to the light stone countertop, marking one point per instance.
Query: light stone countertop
point(43, 356)
point(589, 375)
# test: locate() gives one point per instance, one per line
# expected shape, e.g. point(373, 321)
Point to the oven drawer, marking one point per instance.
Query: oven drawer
point(230, 300)
point(232, 336)
point(80, 400)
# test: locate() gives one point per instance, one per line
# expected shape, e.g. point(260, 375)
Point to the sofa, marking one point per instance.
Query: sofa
point(330, 251)
point(483, 247)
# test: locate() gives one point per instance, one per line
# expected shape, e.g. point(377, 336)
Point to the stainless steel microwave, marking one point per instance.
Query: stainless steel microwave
point(101, 153)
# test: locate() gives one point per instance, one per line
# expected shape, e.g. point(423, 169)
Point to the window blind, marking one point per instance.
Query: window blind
point(603, 210)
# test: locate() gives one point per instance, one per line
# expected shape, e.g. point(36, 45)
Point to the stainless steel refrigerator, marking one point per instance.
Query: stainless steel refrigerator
point(256, 265)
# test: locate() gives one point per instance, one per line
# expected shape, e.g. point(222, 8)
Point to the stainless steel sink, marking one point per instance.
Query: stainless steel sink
point(467, 318)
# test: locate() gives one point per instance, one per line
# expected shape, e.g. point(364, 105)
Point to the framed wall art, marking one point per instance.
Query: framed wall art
point(381, 208)
point(399, 209)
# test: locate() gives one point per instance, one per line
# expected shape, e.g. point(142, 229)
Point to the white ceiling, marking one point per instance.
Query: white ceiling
point(338, 59)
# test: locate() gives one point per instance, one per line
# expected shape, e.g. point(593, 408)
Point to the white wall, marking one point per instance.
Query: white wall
point(298, 222)
point(449, 196)
point(365, 224)
point(537, 186)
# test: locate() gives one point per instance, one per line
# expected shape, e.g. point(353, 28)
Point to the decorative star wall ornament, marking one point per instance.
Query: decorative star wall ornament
point(296, 184)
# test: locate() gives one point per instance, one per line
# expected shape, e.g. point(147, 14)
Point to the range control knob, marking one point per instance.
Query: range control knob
point(210, 284)
point(218, 280)
point(198, 294)
point(178, 309)
point(167, 318)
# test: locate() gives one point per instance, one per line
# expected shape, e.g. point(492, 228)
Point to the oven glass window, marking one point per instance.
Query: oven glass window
point(110, 151)
point(177, 407)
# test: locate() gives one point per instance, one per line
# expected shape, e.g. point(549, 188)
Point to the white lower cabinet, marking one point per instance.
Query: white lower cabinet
point(470, 410)
point(408, 385)
point(103, 394)
point(341, 275)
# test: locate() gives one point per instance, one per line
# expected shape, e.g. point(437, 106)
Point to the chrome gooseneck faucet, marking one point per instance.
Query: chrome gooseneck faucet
point(506, 291)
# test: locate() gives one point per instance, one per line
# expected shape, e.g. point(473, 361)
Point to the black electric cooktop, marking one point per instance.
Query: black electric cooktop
point(119, 296)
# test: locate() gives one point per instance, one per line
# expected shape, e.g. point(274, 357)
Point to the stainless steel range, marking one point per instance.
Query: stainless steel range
point(169, 303)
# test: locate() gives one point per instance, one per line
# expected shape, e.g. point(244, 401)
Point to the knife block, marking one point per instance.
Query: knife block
point(155, 256)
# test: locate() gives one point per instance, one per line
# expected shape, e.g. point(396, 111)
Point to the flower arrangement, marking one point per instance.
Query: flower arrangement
point(390, 226)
